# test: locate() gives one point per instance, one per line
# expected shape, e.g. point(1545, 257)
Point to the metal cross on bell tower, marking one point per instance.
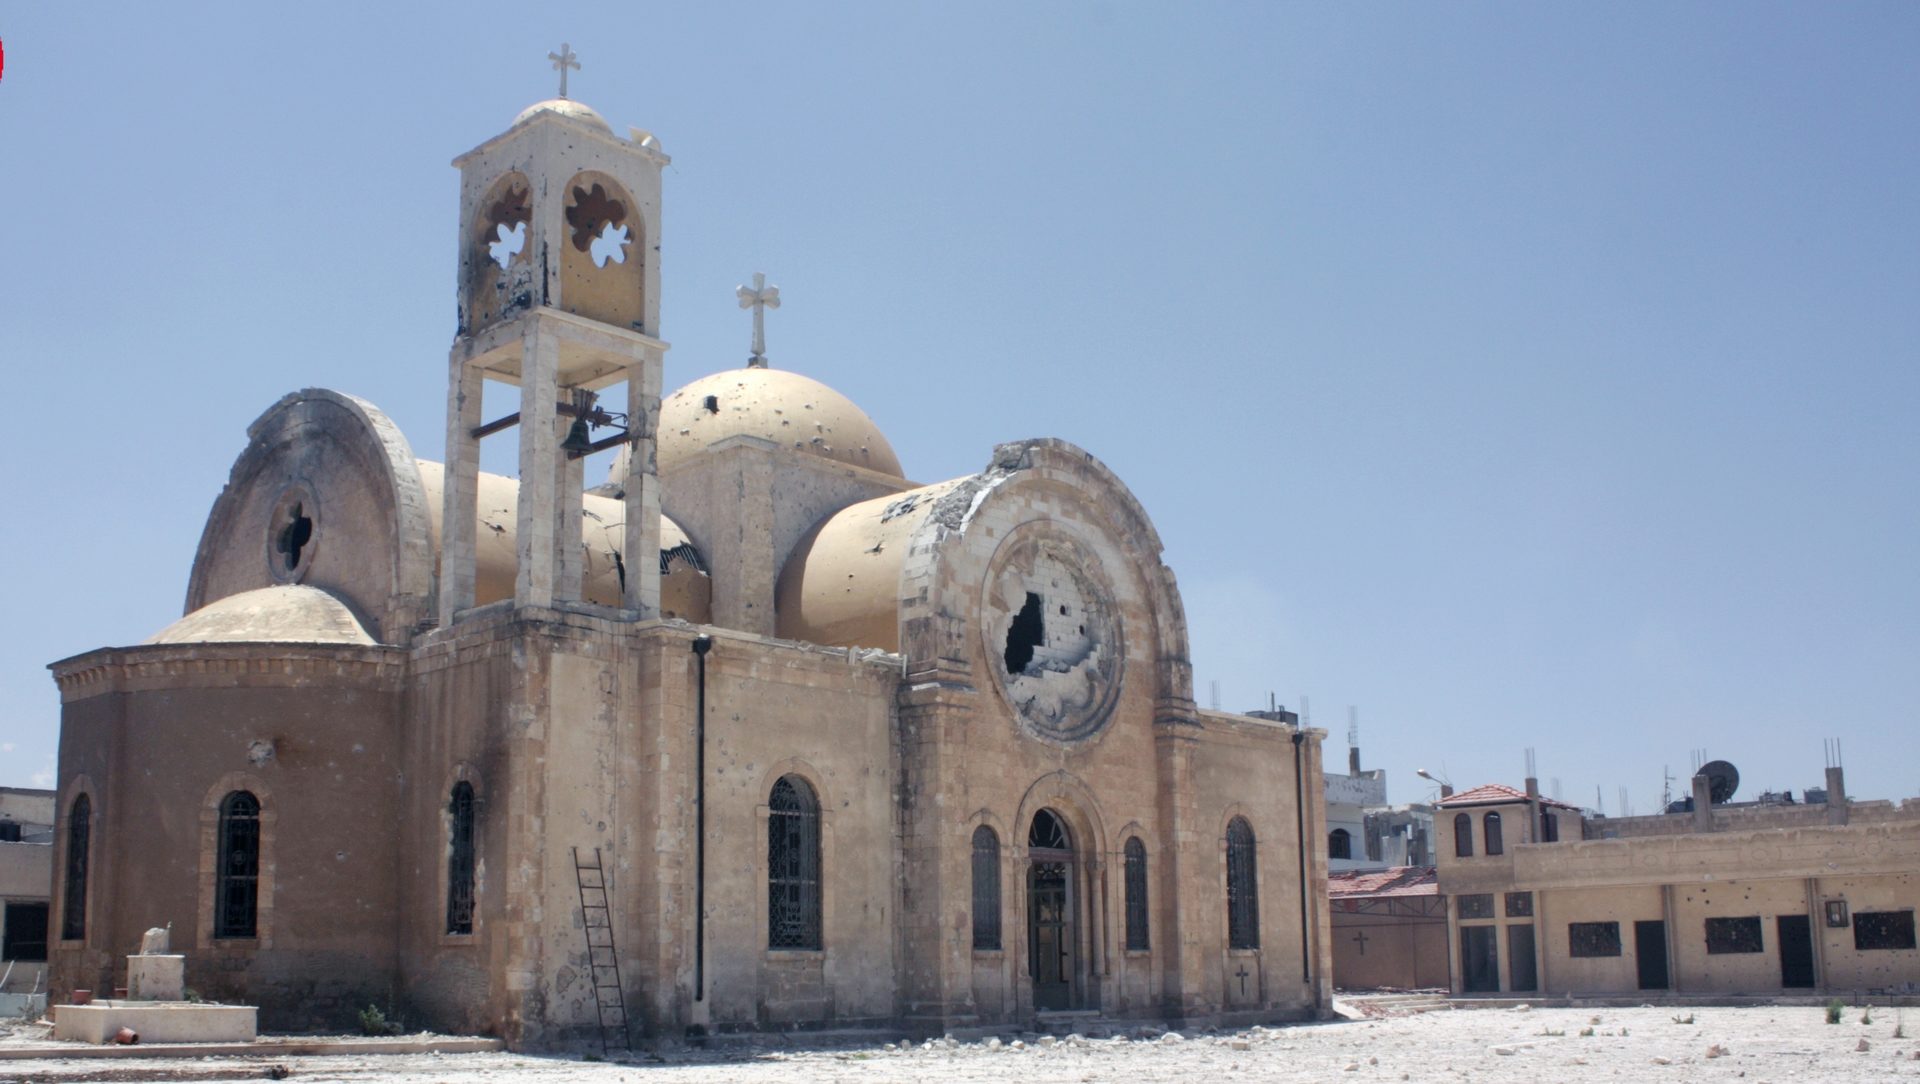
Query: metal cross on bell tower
point(759, 297)
point(562, 61)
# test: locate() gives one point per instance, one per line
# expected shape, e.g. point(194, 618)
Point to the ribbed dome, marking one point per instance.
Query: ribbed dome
point(786, 408)
point(289, 613)
point(566, 107)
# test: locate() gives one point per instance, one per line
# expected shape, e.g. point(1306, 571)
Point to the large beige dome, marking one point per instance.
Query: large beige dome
point(290, 613)
point(786, 408)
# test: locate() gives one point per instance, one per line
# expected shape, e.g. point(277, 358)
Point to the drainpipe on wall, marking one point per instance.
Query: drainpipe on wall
point(701, 645)
point(1300, 817)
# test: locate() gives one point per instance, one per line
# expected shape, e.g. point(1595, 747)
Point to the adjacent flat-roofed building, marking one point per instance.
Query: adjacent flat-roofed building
point(1729, 900)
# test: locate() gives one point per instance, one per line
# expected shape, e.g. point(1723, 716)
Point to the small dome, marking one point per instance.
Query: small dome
point(289, 613)
point(786, 408)
point(567, 107)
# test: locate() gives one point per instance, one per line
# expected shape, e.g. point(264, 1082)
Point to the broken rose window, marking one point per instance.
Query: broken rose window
point(507, 218)
point(598, 223)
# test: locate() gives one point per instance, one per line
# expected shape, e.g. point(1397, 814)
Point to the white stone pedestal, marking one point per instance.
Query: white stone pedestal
point(156, 978)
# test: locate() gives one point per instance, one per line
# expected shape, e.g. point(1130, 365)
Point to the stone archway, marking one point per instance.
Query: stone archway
point(1052, 942)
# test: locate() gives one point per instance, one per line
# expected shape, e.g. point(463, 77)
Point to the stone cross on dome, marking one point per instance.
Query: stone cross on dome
point(563, 60)
point(759, 297)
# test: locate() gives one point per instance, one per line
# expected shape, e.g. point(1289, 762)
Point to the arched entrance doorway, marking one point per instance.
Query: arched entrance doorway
point(1050, 907)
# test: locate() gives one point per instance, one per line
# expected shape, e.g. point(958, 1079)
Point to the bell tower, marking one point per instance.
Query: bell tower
point(560, 296)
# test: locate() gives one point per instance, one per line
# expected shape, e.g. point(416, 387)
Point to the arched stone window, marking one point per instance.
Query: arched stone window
point(1243, 898)
point(73, 920)
point(986, 888)
point(1462, 836)
point(1490, 824)
point(1136, 885)
point(236, 898)
point(793, 865)
point(460, 859)
point(1339, 844)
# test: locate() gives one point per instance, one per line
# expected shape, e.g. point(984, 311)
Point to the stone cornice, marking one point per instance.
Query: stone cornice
point(226, 665)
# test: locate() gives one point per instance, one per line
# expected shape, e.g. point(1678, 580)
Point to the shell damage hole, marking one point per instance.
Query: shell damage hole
point(611, 245)
point(512, 240)
point(712, 404)
point(295, 536)
point(1027, 632)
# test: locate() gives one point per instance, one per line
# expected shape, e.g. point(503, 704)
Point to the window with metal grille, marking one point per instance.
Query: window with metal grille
point(1883, 930)
point(986, 888)
point(1339, 844)
point(1593, 939)
point(1734, 935)
point(1496, 842)
point(460, 859)
point(73, 918)
point(1478, 905)
point(1243, 898)
point(1462, 836)
point(1519, 904)
point(1136, 885)
point(793, 865)
point(237, 896)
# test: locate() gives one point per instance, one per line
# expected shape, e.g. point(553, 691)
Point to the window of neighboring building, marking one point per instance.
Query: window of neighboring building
point(1883, 930)
point(793, 865)
point(1339, 844)
point(1478, 905)
point(986, 888)
point(9, 831)
point(1490, 824)
point(1519, 904)
point(1593, 939)
point(1136, 886)
point(237, 898)
point(26, 939)
point(73, 919)
point(1462, 836)
point(460, 859)
point(1549, 828)
point(1734, 935)
point(1243, 902)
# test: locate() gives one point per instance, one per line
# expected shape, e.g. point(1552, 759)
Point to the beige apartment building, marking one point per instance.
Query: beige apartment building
point(758, 734)
point(1728, 900)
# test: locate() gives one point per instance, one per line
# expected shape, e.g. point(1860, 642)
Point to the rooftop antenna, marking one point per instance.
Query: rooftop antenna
point(1626, 810)
point(1213, 693)
point(1599, 802)
point(1353, 726)
point(1666, 787)
point(1306, 713)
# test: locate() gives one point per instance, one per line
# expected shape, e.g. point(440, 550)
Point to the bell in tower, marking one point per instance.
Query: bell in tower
point(559, 295)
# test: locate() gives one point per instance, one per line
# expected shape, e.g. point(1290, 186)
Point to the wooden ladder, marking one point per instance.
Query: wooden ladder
point(603, 963)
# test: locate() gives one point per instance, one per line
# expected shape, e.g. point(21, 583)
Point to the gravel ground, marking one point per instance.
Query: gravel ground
point(1493, 1046)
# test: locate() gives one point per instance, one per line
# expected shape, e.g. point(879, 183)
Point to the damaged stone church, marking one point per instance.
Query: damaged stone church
point(758, 734)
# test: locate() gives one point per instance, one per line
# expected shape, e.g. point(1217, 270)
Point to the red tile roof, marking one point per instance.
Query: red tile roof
point(1495, 793)
point(1398, 881)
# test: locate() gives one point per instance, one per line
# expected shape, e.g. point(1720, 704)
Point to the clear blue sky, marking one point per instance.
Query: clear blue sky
point(1527, 375)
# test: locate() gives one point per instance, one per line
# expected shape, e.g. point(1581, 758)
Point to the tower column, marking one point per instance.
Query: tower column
point(539, 448)
point(641, 554)
point(460, 510)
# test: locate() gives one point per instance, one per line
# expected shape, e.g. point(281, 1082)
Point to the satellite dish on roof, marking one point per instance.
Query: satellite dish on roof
point(1722, 780)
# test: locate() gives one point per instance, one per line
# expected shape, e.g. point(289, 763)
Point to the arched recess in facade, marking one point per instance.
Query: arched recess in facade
point(361, 473)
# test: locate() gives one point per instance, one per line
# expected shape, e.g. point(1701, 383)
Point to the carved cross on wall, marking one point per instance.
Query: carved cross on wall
point(563, 60)
point(1242, 976)
point(1361, 940)
point(759, 297)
